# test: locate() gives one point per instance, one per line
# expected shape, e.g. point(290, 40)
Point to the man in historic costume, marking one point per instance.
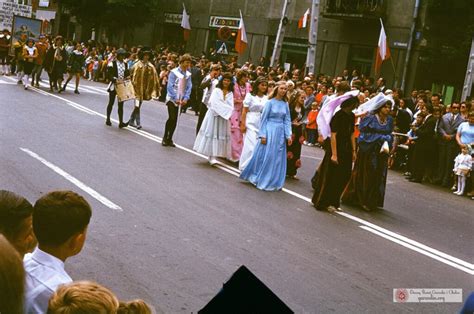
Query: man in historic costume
point(116, 70)
point(18, 49)
point(4, 49)
point(55, 63)
point(145, 83)
point(179, 90)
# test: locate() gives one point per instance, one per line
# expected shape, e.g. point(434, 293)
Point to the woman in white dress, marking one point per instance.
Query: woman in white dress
point(254, 103)
point(213, 139)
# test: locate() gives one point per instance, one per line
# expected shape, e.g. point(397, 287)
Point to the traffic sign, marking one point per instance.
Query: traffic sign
point(221, 48)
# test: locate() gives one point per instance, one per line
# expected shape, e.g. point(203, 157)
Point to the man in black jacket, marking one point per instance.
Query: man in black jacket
point(116, 70)
point(425, 145)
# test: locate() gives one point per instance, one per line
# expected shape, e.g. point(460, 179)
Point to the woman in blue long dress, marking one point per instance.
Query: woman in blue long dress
point(267, 167)
point(369, 177)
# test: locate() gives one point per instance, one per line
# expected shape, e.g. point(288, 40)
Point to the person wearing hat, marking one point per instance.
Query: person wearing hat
point(334, 171)
point(42, 46)
point(55, 63)
point(30, 53)
point(145, 84)
point(178, 93)
point(4, 48)
point(75, 67)
point(367, 185)
point(116, 70)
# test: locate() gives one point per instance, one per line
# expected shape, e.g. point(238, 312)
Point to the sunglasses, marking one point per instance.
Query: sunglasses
point(456, 107)
point(463, 106)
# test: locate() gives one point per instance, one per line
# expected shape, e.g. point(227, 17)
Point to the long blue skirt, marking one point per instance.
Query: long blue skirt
point(267, 167)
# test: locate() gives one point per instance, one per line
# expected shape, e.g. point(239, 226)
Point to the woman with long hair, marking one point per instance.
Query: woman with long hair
point(297, 112)
point(254, 103)
point(267, 167)
point(213, 139)
point(369, 177)
point(241, 89)
point(12, 279)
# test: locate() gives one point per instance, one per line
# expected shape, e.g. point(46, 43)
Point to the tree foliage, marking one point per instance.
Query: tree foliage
point(114, 14)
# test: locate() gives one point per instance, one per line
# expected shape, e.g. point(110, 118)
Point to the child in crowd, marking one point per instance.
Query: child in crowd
point(60, 221)
point(311, 126)
point(95, 69)
point(462, 168)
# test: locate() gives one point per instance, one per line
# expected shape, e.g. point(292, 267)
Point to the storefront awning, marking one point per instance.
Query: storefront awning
point(45, 15)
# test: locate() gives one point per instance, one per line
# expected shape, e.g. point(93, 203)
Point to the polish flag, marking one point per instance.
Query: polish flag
point(241, 41)
point(383, 51)
point(303, 21)
point(185, 24)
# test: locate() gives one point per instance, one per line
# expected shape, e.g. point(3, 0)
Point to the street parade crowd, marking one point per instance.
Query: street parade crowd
point(257, 117)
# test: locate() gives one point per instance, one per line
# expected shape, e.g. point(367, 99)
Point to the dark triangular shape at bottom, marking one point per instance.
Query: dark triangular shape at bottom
point(245, 293)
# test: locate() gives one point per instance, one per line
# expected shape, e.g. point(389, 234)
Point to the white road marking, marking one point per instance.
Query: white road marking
point(385, 233)
point(74, 181)
point(416, 249)
point(7, 83)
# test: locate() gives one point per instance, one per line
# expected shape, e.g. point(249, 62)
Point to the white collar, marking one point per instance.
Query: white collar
point(47, 259)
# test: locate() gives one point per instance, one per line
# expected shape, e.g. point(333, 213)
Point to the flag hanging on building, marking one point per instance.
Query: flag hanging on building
point(241, 41)
point(185, 24)
point(303, 21)
point(383, 51)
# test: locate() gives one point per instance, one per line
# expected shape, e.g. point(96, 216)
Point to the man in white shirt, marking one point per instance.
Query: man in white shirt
point(60, 221)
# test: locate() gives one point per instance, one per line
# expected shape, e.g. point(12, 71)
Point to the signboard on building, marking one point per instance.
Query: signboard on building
point(173, 18)
point(9, 8)
point(220, 21)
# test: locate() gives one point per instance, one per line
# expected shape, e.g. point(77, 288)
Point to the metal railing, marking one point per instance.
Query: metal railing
point(375, 8)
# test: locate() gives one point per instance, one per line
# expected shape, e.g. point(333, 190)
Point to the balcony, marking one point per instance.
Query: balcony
point(354, 9)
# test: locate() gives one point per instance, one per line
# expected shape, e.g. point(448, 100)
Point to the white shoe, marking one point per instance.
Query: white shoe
point(212, 160)
point(457, 193)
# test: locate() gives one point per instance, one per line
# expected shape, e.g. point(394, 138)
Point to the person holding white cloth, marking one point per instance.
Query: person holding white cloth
point(213, 139)
point(254, 103)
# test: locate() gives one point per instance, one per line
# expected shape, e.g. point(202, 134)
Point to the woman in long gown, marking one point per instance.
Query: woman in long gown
point(213, 139)
point(297, 113)
point(241, 89)
point(267, 167)
point(250, 122)
point(334, 171)
point(369, 177)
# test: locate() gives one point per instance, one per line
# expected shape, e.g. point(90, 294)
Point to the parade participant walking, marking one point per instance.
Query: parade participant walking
point(241, 89)
point(208, 84)
point(4, 50)
point(55, 64)
point(267, 167)
point(297, 112)
point(18, 48)
point(213, 139)
point(334, 171)
point(42, 47)
point(75, 67)
point(179, 90)
point(145, 84)
point(30, 53)
point(116, 70)
point(254, 103)
point(367, 185)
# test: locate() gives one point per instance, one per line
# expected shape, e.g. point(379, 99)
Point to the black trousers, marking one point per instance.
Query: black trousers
point(112, 95)
point(202, 114)
point(170, 126)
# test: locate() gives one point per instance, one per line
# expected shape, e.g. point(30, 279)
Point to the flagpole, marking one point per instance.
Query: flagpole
point(313, 37)
point(280, 36)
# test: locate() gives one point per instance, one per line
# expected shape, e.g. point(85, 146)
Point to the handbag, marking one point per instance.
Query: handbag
point(124, 90)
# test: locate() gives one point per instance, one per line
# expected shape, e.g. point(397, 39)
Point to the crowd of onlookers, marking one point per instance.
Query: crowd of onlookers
point(35, 242)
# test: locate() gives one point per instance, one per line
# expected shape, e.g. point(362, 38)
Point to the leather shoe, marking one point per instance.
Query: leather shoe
point(171, 144)
point(164, 143)
point(108, 123)
point(123, 125)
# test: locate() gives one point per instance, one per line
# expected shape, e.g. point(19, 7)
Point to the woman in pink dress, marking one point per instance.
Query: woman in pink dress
point(241, 89)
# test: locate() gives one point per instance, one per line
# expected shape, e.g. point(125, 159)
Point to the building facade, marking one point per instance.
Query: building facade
point(348, 32)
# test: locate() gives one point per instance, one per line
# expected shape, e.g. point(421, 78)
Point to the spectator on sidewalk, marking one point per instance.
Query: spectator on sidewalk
point(60, 221)
point(16, 221)
point(12, 277)
point(311, 126)
point(465, 139)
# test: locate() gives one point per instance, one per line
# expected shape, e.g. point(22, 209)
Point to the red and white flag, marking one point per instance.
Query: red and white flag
point(185, 24)
point(383, 51)
point(241, 41)
point(303, 21)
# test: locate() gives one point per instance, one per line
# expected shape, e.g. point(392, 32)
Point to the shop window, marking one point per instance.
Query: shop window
point(361, 58)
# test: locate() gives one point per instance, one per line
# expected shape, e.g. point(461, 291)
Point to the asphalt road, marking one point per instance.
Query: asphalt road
point(170, 229)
